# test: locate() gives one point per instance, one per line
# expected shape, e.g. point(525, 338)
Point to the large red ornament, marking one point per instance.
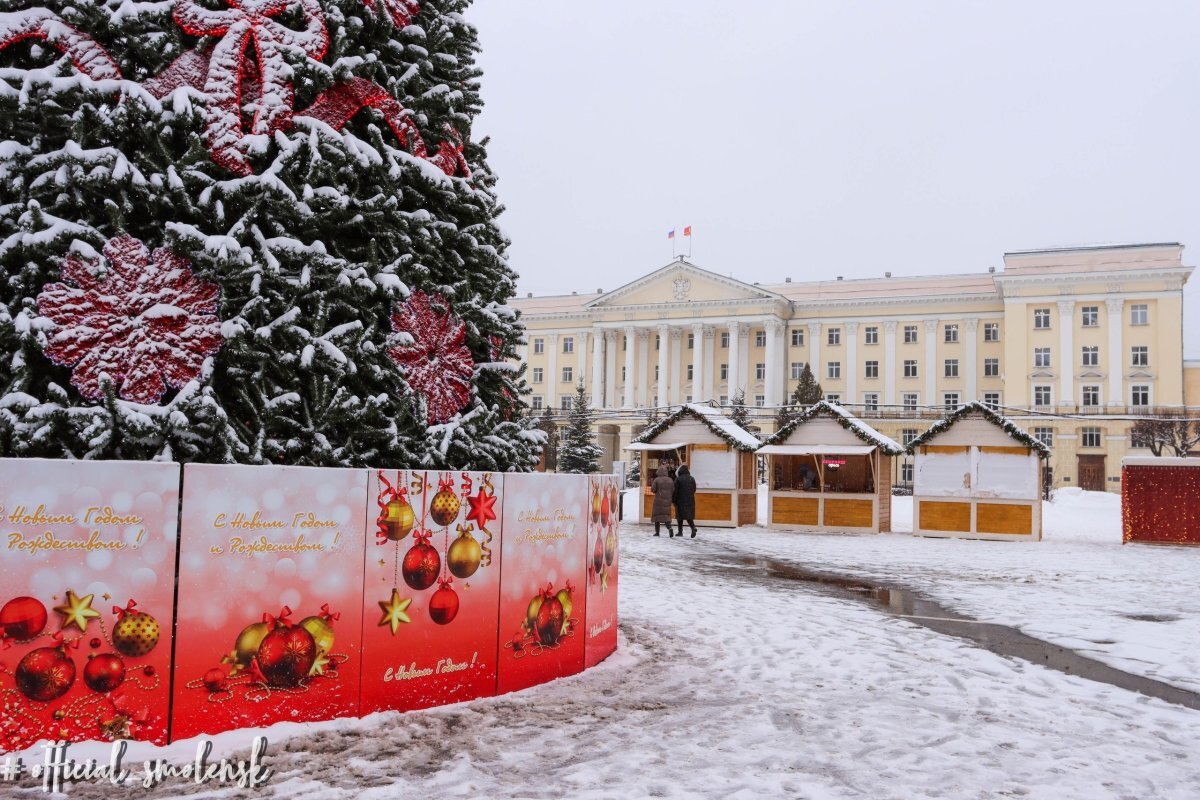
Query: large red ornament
point(45, 674)
point(38, 24)
point(443, 604)
point(437, 364)
point(286, 655)
point(422, 563)
point(22, 618)
point(550, 617)
point(104, 672)
point(147, 324)
point(598, 554)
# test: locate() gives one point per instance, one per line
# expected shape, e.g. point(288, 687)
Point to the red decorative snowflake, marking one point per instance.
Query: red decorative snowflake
point(38, 24)
point(144, 321)
point(437, 364)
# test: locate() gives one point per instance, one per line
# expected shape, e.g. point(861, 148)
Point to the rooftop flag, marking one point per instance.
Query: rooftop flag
point(671, 233)
point(687, 231)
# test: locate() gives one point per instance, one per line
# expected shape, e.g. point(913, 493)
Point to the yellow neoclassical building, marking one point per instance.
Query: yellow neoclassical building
point(1071, 342)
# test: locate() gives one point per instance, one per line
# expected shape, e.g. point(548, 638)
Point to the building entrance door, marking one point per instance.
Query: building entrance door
point(1091, 473)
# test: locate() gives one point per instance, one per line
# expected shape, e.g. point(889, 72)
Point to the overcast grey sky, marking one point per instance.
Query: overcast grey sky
point(813, 139)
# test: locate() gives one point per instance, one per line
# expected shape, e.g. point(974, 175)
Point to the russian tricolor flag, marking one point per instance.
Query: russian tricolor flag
point(671, 233)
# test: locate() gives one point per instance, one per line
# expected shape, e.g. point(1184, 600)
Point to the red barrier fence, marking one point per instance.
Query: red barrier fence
point(1160, 500)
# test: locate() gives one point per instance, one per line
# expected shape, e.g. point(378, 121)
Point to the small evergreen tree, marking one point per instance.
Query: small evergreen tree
point(784, 414)
point(808, 390)
point(547, 425)
point(633, 478)
point(579, 453)
point(740, 414)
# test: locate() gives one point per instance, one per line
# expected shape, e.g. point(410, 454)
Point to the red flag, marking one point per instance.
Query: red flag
point(687, 231)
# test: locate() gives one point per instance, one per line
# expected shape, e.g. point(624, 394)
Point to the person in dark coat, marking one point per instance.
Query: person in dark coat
point(664, 489)
point(685, 499)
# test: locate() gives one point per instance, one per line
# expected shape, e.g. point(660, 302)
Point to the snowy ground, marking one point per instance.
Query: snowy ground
point(729, 684)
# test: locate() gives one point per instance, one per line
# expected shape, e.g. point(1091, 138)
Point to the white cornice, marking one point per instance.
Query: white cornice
point(1173, 274)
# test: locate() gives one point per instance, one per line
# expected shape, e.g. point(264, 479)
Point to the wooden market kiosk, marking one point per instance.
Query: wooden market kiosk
point(977, 475)
point(720, 455)
point(829, 471)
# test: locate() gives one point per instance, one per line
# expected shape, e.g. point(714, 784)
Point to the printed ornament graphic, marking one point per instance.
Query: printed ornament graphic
point(437, 363)
point(432, 589)
point(82, 538)
point(140, 318)
point(270, 596)
point(603, 523)
point(543, 600)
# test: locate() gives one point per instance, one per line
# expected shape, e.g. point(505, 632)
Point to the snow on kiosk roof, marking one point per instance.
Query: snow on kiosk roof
point(977, 410)
point(844, 418)
point(733, 434)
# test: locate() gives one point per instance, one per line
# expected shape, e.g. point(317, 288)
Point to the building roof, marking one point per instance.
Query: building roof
point(844, 418)
point(978, 409)
point(718, 423)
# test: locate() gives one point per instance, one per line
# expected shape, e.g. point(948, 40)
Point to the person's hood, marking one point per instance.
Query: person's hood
point(683, 470)
point(662, 472)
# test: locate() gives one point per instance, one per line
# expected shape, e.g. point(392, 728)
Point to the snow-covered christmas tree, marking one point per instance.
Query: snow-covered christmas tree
point(255, 231)
point(579, 453)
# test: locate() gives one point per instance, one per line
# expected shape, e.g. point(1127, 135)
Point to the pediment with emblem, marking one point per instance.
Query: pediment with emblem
point(681, 283)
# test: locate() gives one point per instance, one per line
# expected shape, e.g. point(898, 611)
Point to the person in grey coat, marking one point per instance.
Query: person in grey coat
point(685, 499)
point(664, 489)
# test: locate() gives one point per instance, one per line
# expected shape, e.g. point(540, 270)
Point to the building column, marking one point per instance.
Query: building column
point(581, 354)
point(814, 350)
point(697, 363)
point(630, 354)
point(889, 363)
point(610, 369)
point(710, 357)
point(676, 392)
point(1066, 363)
point(774, 367)
point(552, 375)
point(664, 341)
point(735, 336)
point(644, 370)
point(972, 326)
point(597, 368)
point(1116, 357)
point(931, 326)
point(852, 362)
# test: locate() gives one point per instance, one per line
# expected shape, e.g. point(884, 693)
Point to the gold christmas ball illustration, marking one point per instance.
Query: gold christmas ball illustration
point(248, 641)
point(398, 519)
point(135, 634)
point(444, 508)
point(321, 632)
point(465, 555)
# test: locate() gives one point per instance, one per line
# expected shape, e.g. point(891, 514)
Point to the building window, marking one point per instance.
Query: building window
point(951, 334)
point(690, 369)
point(1091, 316)
point(951, 367)
point(724, 372)
point(835, 336)
point(1044, 435)
point(835, 369)
point(657, 341)
point(872, 369)
point(623, 374)
point(1041, 319)
point(797, 337)
point(568, 374)
point(537, 374)
point(871, 401)
point(566, 402)
point(871, 335)
point(1091, 437)
point(950, 400)
point(991, 368)
point(568, 344)
point(1140, 355)
point(1091, 395)
point(1042, 396)
point(1041, 356)
point(689, 399)
point(656, 373)
point(724, 400)
point(1091, 356)
point(991, 399)
point(760, 338)
point(539, 346)
point(760, 400)
point(1140, 395)
point(908, 435)
point(760, 372)
point(691, 341)
point(536, 402)
point(910, 334)
point(833, 397)
point(725, 339)
point(906, 472)
point(797, 370)
point(910, 368)
point(910, 401)
point(1139, 314)
point(991, 331)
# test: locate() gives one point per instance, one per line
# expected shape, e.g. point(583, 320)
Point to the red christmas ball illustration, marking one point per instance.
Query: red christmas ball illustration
point(214, 679)
point(549, 619)
point(604, 509)
point(104, 672)
point(443, 605)
point(613, 499)
point(22, 618)
point(286, 655)
point(598, 554)
point(445, 506)
point(45, 674)
point(422, 563)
